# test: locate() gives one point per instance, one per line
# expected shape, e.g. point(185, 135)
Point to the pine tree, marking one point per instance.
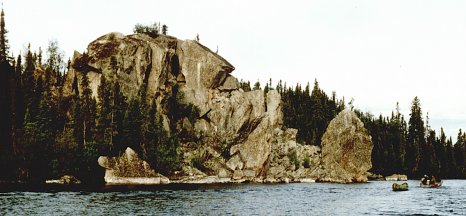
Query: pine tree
point(4, 47)
point(132, 131)
point(257, 86)
point(458, 155)
point(164, 29)
point(119, 107)
point(19, 108)
point(105, 124)
point(451, 163)
point(29, 81)
point(39, 57)
point(416, 139)
point(7, 97)
point(153, 130)
point(318, 103)
point(88, 107)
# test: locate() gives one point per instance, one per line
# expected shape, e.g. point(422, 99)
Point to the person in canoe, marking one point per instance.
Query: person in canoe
point(430, 182)
point(425, 180)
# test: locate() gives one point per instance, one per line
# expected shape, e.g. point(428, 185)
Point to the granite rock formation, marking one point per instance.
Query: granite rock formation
point(346, 150)
point(239, 135)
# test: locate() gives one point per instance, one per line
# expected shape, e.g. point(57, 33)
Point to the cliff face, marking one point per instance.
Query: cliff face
point(238, 134)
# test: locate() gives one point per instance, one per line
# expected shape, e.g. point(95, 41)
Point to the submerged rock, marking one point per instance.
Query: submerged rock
point(346, 150)
point(129, 169)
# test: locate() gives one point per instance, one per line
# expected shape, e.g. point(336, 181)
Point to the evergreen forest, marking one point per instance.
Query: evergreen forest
point(45, 134)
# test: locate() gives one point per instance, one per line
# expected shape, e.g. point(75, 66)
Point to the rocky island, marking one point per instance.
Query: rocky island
point(238, 135)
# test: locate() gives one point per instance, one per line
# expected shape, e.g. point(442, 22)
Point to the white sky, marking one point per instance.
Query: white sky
point(378, 52)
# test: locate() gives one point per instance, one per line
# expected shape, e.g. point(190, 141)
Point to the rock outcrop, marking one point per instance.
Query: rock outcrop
point(238, 135)
point(346, 150)
point(129, 169)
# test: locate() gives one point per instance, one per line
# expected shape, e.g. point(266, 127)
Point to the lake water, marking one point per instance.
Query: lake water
point(374, 198)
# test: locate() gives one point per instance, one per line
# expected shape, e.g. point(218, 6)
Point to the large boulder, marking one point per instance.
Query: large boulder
point(129, 169)
point(346, 150)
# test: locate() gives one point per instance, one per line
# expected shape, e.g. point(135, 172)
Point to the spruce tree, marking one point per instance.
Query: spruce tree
point(29, 81)
point(451, 163)
point(88, 107)
point(319, 119)
point(416, 139)
point(105, 124)
point(257, 86)
point(458, 155)
point(4, 47)
point(119, 107)
point(164, 29)
point(132, 130)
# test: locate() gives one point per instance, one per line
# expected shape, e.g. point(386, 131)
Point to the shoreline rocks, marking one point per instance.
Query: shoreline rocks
point(129, 169)
point(64, 180)
point(396, 177)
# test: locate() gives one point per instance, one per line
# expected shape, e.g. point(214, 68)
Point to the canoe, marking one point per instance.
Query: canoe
point(400, 187)
point(435, 185)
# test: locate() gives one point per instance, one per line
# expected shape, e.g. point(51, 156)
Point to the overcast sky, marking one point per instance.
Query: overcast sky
point(377, 52)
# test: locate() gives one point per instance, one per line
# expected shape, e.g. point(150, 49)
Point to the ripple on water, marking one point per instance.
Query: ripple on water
point(375, 198)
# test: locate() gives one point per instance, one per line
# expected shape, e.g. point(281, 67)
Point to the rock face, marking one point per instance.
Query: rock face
point(346, 150)
point(129, 169)
point(239, 135)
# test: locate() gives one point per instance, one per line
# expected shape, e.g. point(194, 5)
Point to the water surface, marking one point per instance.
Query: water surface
point(374, 198)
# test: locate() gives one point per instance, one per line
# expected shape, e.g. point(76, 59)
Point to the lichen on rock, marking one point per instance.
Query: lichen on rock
point(346, 150)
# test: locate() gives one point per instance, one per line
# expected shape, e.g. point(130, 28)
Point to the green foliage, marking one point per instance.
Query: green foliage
point(55, 63)
point(178, 109)
point(132, 126)
point(307, 161)
point(151, 30)
point(225, 146)
point(167, 157)
point(4, 47)
point(88, 169)
point(246, 86)
point(257, 86)
point(7, 118)
point(308, 112)
point(198, 162)
point(293, 157)
point(415, 139)
point(164, 29)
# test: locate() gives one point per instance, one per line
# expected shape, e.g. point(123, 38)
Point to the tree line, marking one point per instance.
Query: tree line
point(46, 133)
point(411, 147)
